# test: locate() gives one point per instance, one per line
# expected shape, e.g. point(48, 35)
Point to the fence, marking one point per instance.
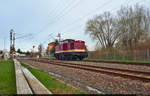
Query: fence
point(121, 54)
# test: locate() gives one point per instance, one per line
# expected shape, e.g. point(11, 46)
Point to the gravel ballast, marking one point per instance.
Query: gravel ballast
point(101, 83)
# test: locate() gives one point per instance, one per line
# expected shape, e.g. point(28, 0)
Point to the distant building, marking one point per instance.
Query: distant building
point(49, 48)
point(20, 54)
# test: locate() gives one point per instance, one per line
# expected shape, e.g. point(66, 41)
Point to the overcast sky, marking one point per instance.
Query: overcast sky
point(42, 20)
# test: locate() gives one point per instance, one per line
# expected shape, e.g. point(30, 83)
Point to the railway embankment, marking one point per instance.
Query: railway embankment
point(133, 62)
point(80, 75)
point(55, 85)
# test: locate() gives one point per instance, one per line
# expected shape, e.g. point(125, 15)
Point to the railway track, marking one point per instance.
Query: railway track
point(131, 74)
point(124, 63)
point(110, 62)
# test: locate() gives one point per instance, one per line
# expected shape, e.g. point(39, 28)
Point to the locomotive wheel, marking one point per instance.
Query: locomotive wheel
point(58, 57)
point(69, 58)
point(62, 57)
point(65, 58)
point(81, 58)
point(74, 58)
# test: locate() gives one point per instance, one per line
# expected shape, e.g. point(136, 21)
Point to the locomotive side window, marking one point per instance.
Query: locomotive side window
point(72, 45)
point(79, 45)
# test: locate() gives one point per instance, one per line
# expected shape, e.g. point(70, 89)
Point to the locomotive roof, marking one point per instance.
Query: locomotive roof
point(71, 40)
point(68, 40)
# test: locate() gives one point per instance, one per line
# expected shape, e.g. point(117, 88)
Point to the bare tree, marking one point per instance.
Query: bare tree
point(128, 29)
point(104, 29)
point(40, 49)
point(133, 22)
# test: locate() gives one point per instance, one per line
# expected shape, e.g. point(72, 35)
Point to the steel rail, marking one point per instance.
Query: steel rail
point(143, 76)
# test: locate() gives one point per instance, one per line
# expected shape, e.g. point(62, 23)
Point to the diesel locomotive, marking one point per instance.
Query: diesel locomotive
point(70, 49)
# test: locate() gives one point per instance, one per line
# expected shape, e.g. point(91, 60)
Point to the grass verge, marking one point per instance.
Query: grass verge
point(55, 86)
point(121, 61)
point(7, 77)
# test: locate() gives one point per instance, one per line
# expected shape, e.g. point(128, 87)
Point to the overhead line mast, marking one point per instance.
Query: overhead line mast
point(12, 40)
point(59, 36)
